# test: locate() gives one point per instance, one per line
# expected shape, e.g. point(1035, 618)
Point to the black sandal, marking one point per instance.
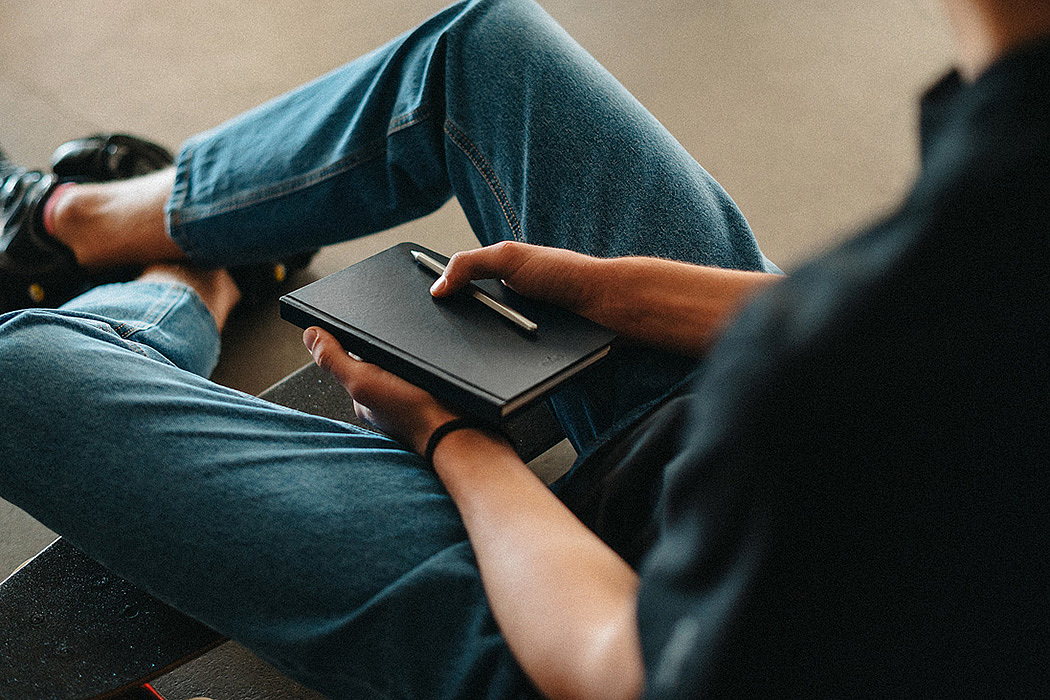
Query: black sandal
point(106, 157)
point(35, 269)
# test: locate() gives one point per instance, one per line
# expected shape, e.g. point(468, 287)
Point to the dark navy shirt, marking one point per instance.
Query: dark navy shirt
point(852, 500)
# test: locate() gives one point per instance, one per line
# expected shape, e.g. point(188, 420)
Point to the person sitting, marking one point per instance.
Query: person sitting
point(828, 484)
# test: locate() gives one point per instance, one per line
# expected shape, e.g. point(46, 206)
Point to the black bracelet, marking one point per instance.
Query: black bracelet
point(453, 425)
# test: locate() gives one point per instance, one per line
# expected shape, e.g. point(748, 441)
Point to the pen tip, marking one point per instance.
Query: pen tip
point(415, 254)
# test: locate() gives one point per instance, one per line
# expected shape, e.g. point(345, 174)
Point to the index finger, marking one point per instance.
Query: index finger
point(498, 261)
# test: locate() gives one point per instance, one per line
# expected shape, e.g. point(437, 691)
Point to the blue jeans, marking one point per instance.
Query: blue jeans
point(329, 550)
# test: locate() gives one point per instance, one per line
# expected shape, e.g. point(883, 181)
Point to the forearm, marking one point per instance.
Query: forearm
point(669, 304)
point(665, 303)
point(564, 601)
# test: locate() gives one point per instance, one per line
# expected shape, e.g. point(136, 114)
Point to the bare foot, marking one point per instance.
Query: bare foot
point(116, 223)
point(214, 286)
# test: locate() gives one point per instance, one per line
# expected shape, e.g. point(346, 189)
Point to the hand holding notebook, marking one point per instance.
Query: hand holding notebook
point(456, 348)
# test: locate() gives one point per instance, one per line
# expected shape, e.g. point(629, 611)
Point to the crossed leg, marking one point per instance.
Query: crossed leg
point(329, 550)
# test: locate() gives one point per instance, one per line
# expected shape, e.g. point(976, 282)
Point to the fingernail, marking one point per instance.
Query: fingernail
point(438, 285)
point(309, 338)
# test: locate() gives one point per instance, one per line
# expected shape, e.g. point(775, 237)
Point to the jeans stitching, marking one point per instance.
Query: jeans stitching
point(178, 200)
point(182, 214)
point(417, 115)
point(135, 348)
point(286, 187)
point(154, 313)
point(470, 150)
point(178, 193)
point(124, 341)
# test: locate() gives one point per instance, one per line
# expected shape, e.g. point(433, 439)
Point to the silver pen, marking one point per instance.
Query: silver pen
point(502, 309)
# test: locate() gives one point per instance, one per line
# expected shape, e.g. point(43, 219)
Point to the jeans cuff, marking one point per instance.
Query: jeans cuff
point(178, 227)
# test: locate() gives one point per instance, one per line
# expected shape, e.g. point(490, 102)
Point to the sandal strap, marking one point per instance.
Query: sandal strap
point(105, 157)
point(23, 241)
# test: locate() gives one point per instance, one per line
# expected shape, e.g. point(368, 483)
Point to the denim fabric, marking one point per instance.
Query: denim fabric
point(491, 102)
point(327, 549)
point(313, 542)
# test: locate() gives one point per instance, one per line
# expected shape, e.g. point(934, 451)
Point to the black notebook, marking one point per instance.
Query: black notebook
point(456, 348)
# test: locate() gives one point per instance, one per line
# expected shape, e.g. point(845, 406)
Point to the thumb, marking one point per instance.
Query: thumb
point(327, 353)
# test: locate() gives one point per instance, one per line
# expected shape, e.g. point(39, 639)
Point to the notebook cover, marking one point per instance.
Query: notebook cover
point(456, 348)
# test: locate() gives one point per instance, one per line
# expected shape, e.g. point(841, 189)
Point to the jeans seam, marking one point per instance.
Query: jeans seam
point(280, 189)
point(370, 151)
point(153, 314)
point(135, 348)
point(417, 115)
point(178, 200)
point(471, 151)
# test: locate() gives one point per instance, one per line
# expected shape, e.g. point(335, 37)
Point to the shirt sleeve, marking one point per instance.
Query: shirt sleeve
point(712, 604)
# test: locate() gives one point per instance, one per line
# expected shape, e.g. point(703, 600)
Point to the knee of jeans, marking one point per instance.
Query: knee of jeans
point(31, 355)
point(500, 27)
point(32, 340)
point(37, 345)
point(17, 327)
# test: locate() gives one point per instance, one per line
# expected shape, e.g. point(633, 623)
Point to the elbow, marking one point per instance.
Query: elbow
point(612, 666)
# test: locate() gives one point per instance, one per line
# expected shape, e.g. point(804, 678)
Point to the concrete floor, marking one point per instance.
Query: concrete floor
point(804, 109)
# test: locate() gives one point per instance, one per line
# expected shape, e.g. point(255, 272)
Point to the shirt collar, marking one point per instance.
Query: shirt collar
point(1015, 85)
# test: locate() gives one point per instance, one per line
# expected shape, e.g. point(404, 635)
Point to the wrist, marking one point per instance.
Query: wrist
point(461, 430)
point(598, 290)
